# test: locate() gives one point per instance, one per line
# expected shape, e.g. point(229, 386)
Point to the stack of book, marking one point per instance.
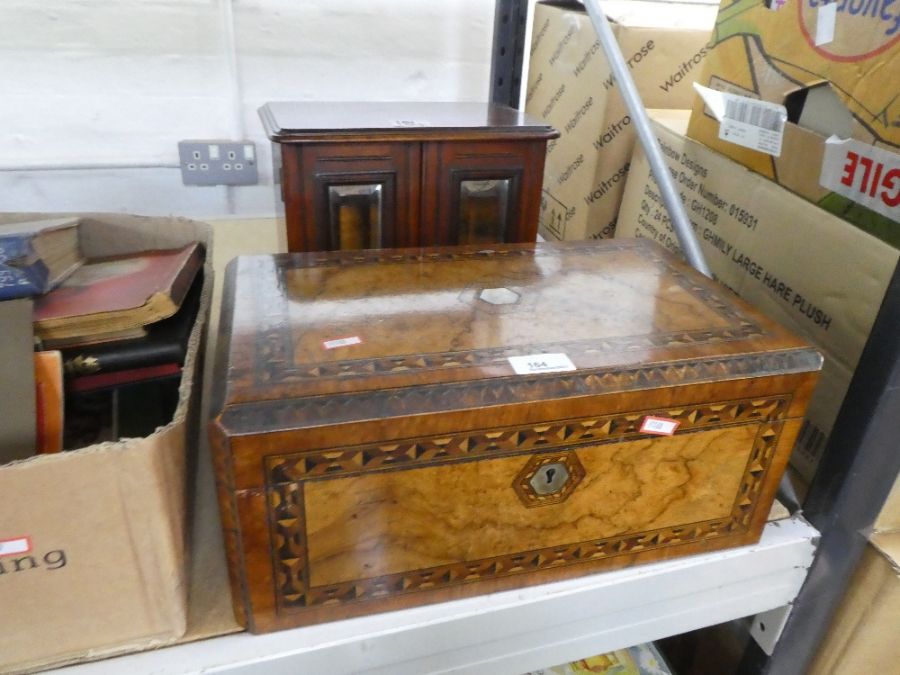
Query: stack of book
point(109, 337)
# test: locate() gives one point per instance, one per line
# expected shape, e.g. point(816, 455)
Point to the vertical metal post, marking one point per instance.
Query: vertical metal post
point(510, 18)
point(680, 222)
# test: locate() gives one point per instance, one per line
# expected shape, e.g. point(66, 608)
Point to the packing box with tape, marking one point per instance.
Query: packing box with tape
point(806, 268)
point(831, 67)
point(570, 85)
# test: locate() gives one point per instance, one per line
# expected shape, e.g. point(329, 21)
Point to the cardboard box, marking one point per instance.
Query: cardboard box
point(845, 86)
point(98, 535)
point(571, 87)
point(805, 268)
point(889, 518)
point(862, 637)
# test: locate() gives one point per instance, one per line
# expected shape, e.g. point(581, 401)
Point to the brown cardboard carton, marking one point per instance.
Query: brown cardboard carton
point(767, 54)
point(571, 86)
point(862, 637)
point(96, 537)
point(803, 267)
point(889, 518)
point(834, 82)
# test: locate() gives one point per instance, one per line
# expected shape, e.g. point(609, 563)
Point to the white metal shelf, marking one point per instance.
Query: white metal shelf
point(514, 631)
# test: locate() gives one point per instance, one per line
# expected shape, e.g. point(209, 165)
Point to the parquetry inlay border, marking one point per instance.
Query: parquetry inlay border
point(285, 499)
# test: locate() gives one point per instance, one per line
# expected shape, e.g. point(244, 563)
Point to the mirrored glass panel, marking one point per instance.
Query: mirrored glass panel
point(483, 210)
point(356, 216)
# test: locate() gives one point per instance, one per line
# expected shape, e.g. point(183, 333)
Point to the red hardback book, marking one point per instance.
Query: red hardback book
point(122, 377)
point(118, 294)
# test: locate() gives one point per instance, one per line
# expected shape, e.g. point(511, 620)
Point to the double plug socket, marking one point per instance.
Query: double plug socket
point(218, 162)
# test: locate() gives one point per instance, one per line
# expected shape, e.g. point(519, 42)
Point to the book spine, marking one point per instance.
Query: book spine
point(122, 377)
point(85, 361)
point(22, 282)
point(21, 275)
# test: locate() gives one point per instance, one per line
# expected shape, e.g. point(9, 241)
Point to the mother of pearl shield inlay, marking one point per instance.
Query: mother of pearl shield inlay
point(417, 465)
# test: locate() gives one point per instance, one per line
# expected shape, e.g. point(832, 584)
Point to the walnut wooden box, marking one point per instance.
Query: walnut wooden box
point(375, 448)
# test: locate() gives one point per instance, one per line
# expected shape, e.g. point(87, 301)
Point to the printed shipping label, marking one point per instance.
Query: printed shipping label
point(15, 546)
point(659, 426)
point(869, 176)
point(342, 342)
point(541, 363)
point(744, 121)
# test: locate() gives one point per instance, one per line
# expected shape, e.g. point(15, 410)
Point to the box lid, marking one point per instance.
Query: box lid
point(287, 121)
point(323, 338)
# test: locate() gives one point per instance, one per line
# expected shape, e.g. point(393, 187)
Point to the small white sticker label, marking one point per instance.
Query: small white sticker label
point(342, 342)
point(745, 121)
point(659, 426)
point(869, 176)
point(541, 363)
point(826, 18)
point(15, 546)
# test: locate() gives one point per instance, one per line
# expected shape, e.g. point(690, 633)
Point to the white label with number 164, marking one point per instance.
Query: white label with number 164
point(541, 363)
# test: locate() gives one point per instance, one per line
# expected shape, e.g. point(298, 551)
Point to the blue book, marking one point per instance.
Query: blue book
point(35, 256)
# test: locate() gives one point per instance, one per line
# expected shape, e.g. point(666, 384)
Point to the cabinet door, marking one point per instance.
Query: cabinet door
point(481, 192)
point(358, 195)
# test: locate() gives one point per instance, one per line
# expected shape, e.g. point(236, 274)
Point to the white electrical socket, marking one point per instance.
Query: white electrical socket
point(215, 160)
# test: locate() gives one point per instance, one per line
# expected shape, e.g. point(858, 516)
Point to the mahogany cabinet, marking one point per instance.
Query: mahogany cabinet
point(386, 175)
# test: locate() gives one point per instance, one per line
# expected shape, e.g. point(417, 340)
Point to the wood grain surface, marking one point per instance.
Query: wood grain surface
point(398, 470)
point(417, 153)
point(390, 522)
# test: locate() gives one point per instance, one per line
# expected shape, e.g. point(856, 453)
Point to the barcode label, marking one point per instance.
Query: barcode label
point(659, 426)
point(811, 441)
point(15, 546)
point(752, 113)
point(745, 121)
point(808, 449)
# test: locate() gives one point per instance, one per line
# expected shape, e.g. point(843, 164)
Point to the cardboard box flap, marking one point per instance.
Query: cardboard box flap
point(889, 545)
point(817, 107)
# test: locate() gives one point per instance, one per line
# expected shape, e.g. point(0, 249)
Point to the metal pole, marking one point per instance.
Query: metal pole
point(510, 17)
point(680, 222)
point(684, 231)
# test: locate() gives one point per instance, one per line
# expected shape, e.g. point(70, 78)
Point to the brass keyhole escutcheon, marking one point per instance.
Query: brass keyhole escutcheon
point(550, 478)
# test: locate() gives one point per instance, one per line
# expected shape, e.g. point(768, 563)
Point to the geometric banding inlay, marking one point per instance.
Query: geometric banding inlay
point(287, 521)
